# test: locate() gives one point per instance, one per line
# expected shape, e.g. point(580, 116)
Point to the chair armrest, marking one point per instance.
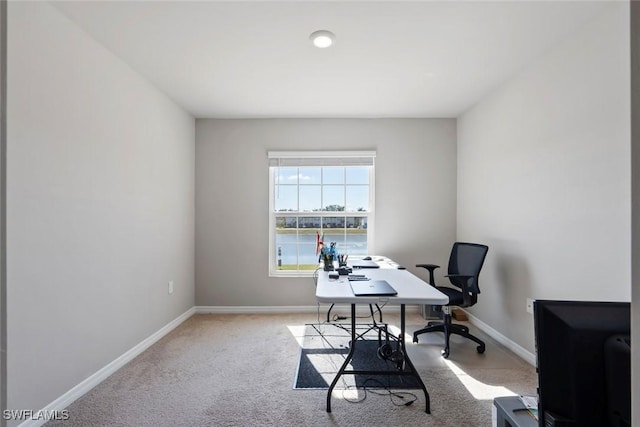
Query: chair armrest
point(431, 268)
point(428, 266)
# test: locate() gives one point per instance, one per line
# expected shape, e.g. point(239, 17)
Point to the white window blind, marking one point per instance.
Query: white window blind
point(320, 158)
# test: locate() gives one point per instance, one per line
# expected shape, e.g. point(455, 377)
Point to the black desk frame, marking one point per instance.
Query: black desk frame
point(400, 342)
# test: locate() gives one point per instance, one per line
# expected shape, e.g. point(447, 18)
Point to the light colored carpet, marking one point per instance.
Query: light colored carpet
point(238, 370)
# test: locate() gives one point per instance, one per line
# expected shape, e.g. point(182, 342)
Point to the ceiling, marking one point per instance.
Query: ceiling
point(239, 59)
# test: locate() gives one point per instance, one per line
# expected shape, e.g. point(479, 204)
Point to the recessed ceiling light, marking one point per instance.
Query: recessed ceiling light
point(322, 38)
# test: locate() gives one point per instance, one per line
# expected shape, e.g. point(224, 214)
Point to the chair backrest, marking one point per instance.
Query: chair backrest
point(467, 259)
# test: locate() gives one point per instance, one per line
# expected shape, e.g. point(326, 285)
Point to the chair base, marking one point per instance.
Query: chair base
point(448, 328)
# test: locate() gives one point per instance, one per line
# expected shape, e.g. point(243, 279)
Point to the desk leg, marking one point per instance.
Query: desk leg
point(352, 348)
point(408, 361)
point(412, 368)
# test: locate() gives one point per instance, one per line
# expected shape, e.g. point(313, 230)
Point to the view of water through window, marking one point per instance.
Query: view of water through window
point(298, 250)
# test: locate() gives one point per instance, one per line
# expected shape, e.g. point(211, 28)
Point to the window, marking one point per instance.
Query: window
point(316, 192)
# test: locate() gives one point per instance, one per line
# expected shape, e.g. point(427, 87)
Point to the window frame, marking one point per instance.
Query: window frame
point(323, 159)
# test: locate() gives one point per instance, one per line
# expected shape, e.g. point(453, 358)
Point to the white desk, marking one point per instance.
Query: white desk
point(411, 290)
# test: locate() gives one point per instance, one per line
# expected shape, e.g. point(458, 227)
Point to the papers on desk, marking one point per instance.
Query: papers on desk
point(531, 403)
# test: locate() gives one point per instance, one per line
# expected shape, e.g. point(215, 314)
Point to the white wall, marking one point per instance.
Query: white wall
point(544, 179)
point(415, 198)
point(100, 210)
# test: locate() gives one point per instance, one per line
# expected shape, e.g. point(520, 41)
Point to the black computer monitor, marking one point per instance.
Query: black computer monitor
point(573, 382)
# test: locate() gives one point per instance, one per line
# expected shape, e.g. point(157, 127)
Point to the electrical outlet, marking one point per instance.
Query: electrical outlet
point(171, 287)
point(529, 306)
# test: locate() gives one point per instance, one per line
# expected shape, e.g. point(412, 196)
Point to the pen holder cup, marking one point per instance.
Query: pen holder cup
point(328, 262)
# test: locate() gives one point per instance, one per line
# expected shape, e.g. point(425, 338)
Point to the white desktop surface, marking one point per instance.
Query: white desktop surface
point(411, 289)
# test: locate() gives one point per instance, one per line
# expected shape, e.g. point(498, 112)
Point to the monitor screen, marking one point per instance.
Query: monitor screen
point(570, 347)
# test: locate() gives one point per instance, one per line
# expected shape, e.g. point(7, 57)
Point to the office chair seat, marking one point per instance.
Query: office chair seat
point(455, 296)
point(465, 263)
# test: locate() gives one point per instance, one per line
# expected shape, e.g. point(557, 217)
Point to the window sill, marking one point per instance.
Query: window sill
point(299, 274)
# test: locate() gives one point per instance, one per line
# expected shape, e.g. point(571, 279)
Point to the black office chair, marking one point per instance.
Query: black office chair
point(465, 264)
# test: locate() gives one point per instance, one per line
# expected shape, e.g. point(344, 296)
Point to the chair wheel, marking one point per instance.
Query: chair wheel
point(480, 349)
point(445, 353)
point(415, 339)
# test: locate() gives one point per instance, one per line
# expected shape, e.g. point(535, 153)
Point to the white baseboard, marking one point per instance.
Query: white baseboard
point(213, 309)
point(516, 348)
point(226, 309)
point(79, 390)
